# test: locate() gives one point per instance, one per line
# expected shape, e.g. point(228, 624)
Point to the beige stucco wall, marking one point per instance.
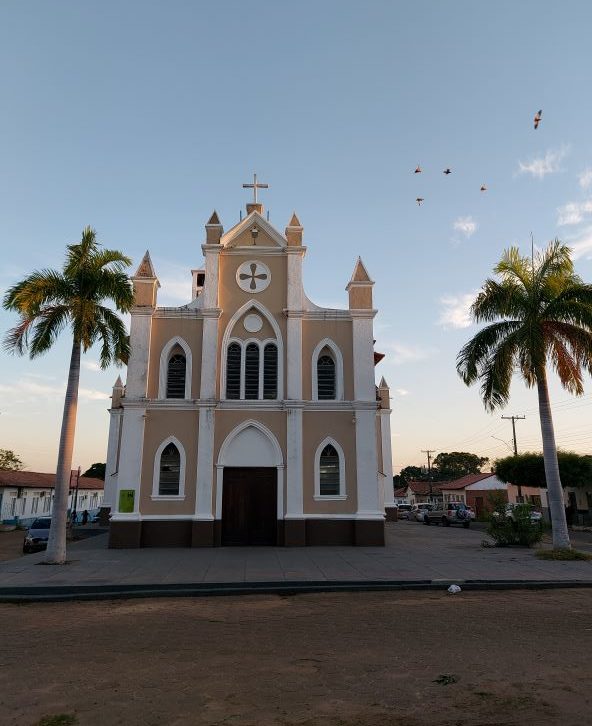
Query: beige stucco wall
point(341, 333)
point(163, 330)
point(317, 425)
point(159, 425)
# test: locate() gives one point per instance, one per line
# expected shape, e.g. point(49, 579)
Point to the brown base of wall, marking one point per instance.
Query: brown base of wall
point(391, 514)
point(291, 533)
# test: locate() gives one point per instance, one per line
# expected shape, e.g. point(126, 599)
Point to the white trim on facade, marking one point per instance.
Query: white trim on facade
point(156, 471)
point(317, 472)
point(338, 359)
point(224, 459)
point(164, 364)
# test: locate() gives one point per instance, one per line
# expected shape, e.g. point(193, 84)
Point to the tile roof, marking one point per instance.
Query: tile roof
point(466, 481)
point(401, 492)
point(37, 479)
point(423, 487)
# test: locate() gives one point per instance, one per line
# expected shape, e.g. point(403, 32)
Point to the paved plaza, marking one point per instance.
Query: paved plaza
point(414, 553)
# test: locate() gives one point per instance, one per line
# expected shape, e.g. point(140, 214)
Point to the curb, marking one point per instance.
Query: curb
point(74, 593)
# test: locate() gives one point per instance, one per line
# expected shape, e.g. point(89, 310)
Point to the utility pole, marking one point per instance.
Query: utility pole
point(429, 453)
point(513, 419)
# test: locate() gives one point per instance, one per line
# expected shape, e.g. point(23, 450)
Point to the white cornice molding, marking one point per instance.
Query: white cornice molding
point(253, 218)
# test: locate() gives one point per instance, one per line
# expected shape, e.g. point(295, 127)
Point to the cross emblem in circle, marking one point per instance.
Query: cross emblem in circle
point(253, 276)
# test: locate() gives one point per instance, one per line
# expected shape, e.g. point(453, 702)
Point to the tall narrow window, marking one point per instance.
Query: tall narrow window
point(252, 371)
point(326, 378)
point(233, 371)
point(176, 376)
point(170, 470)
point(270, 367)
point(329, 472)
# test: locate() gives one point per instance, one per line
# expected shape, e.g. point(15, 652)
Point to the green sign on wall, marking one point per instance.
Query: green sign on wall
point(126, 500)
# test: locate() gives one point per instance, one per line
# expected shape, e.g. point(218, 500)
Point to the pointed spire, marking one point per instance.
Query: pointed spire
point(294, 232)
point(146, 268)
point(295, 222)
point(214, 229)
point(360, 288)
point(360, 272)
point(118, 393)
point(118, 383)
point(383, 383)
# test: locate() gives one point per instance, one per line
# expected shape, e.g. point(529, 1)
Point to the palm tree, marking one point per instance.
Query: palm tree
point(49, 301)
point(540, 315)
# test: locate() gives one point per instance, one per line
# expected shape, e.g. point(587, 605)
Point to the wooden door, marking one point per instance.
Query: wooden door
point(249, 506)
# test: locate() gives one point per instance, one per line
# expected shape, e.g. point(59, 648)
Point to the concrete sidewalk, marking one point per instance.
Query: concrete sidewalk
point(414, 555)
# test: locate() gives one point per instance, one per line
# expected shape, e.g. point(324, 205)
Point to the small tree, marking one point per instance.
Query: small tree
point(456, 464)
point(97, 471)
point(9, 461)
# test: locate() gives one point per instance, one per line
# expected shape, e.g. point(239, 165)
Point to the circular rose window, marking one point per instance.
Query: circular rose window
point(253, 276)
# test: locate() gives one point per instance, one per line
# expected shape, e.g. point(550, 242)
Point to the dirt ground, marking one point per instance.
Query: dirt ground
point(11, 544)
point(410, 659)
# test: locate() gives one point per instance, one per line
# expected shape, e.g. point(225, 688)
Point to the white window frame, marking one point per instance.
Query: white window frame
point(228, 338)
point(156, 472)
point(317, 473)
point(164, 368)
point(338, 360)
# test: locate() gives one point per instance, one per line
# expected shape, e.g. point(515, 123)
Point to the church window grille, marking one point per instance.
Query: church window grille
point(170, 471)
point(176, 376)
point(233, 371)
point(270, 370)
point(252, 371)
point(326, 378)
point(329, 472)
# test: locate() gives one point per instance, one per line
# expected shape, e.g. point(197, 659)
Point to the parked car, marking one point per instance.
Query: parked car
point(471, 512)
point(447, 514)
point(420, 510)
point(37, 535)
point(404, 510)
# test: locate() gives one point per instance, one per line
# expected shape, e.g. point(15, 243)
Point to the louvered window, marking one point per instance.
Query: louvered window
point(252, 371)
point(170, 471)
point(329, 471)
point(270, 366)
point(233, 371)
point(176, 376)
point(325, 378)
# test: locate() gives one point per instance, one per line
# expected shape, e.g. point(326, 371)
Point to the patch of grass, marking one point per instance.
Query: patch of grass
point(60, 719)
point(445, 679)
point(563, 554)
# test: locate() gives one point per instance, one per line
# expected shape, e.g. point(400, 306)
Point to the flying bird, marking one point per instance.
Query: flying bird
point(418, 170)
point(419, 200)
point(483, 188)
point(447, 171)
point(537, 118)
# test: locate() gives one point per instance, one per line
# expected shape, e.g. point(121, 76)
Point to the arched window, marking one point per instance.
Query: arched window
point(233, 371)
point(176, 372)
point(170, 471)
point(252, 371)
point(270, 369)
point(326, 388)
point(329, 472)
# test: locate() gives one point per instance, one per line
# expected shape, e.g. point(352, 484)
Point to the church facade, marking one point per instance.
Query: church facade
point(250, 415)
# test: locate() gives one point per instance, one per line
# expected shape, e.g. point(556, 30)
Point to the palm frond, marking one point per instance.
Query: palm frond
point(475, 354)
point(499, 300)
point(37, 289)
point(514, 268)
point(48, 325)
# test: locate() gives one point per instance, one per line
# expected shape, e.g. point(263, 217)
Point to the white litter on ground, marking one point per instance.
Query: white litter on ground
point(453, 589)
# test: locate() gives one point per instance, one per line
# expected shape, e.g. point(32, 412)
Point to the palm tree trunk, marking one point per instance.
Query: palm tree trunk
point(554, 488)
point(56, 545)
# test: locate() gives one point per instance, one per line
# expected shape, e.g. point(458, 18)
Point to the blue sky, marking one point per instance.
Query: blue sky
point(139, 118)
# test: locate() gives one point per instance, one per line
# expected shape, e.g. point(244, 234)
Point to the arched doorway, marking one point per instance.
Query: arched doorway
point(249, 486)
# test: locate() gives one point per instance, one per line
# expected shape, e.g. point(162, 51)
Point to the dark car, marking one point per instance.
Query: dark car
point(37, 535)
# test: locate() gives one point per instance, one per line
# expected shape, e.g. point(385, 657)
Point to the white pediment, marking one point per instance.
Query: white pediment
point(239, 235)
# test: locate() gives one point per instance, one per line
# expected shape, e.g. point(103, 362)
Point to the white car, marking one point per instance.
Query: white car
point(419, 511)
point(535, 516)
point(404, 511)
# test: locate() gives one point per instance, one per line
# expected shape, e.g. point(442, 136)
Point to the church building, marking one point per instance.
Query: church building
point(250, 415)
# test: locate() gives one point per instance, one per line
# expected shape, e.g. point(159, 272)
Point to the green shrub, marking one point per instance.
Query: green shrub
point(513, 527)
